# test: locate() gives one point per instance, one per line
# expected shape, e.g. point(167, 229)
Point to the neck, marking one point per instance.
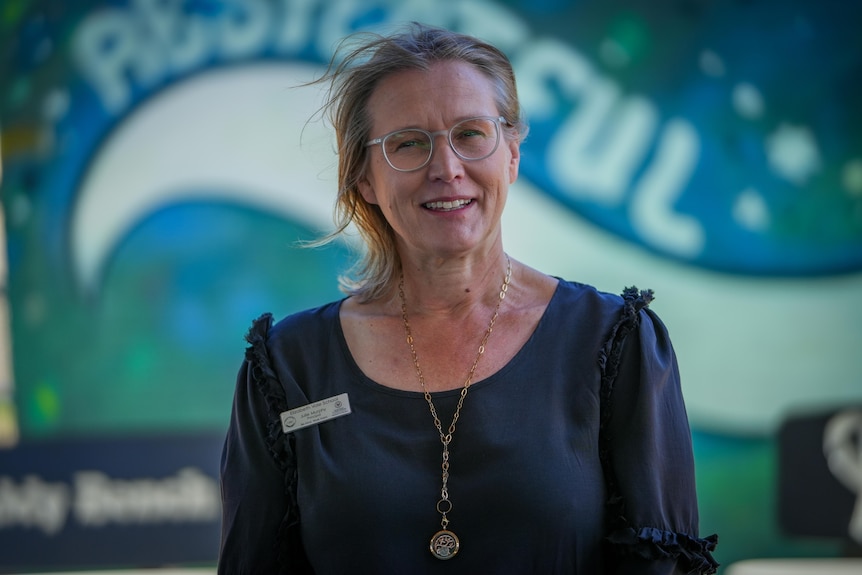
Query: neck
point(438, 286)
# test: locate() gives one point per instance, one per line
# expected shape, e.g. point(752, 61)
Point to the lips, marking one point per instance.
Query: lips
point(447, 206)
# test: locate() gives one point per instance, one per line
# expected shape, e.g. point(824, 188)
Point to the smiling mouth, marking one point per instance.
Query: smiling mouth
point(447, 206)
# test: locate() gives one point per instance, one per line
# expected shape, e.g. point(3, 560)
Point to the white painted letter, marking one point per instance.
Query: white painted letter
point(653, 213)
point(107, 48)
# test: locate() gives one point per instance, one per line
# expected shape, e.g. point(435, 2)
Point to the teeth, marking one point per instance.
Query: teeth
point(447, 205)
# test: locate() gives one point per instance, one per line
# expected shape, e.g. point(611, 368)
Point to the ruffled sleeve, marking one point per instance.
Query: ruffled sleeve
point(260, 517)
point(646, 451)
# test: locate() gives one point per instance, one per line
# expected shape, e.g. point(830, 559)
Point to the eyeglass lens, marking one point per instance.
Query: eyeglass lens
point(472, 139)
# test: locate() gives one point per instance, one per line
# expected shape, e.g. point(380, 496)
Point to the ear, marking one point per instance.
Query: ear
point(366, 190)
point(514, 160)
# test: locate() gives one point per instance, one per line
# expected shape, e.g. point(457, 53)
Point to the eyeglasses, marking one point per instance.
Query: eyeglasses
point(411, 149)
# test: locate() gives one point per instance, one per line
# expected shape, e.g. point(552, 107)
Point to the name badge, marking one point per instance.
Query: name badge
point(315, 413)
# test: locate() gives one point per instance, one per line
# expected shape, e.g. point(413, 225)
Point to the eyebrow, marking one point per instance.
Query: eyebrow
point(454, 122)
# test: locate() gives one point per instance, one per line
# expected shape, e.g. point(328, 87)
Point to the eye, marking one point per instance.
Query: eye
point(467, 133)
point(407, 140)
point(473, 129)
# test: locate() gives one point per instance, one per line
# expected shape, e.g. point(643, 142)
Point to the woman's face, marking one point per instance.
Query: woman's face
point(450, 207)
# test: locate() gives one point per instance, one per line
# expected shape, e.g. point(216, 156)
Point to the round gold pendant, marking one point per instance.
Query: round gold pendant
point(444, 544)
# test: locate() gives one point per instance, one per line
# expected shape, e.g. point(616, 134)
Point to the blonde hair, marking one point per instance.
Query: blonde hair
point(360, 62)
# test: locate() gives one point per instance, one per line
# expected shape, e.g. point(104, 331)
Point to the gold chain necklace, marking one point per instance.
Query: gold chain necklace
point(445, 544)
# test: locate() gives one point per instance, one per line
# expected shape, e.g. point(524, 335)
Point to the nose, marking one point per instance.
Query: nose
point(444, 164)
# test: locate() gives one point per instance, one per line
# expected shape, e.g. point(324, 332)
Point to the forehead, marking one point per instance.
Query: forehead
point(433, 98)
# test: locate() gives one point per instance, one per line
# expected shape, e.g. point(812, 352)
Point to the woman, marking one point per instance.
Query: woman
point(458, 411)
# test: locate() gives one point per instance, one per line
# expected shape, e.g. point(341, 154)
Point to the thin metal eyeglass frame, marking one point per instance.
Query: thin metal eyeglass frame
point(498, 125)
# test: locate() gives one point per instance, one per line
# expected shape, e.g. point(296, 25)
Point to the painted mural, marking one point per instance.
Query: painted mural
point(162, 165)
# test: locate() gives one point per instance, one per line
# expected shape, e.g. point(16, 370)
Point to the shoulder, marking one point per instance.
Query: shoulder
point(296, 326)
point(597, 305)
point(614, 318)
point(282, 354)
point(268, 339)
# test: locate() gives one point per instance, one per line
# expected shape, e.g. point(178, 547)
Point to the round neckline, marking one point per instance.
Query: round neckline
point(379, 387)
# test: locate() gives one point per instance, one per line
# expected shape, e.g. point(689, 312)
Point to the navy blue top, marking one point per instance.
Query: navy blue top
point(573, 458)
